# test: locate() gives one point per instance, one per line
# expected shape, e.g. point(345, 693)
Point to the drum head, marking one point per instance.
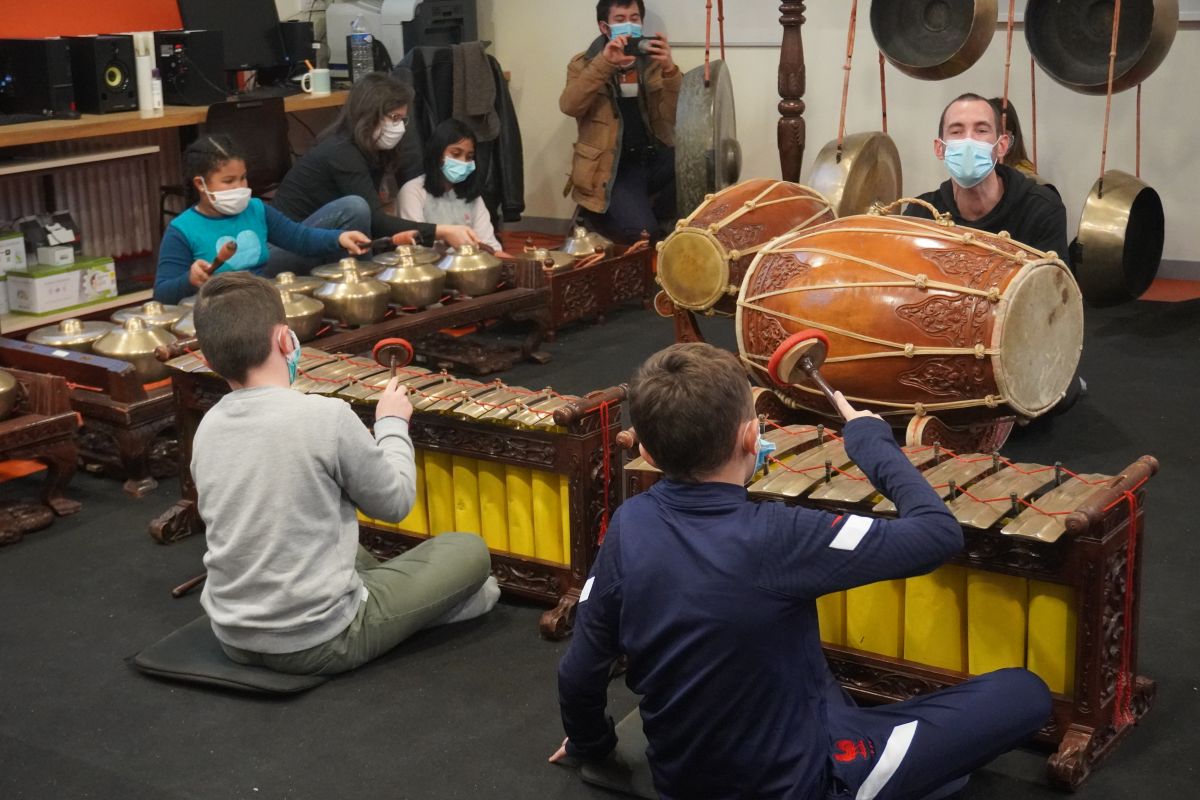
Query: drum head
point(1071, 41)
point(1120, 243)
point(692, 269)
point(1040, 326)
point(933, 39)
point(868, 173)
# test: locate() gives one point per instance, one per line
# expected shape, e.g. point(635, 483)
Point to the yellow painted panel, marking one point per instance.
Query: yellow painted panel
point(547, 517)
point(875, 618)
point(519, 495)
point(493, 510)
point(417, 520)
point(466, 495)
point(439, 491)
point(997, 616)
point(1051, 648)
point(935, 618)
point(564, 503)
point(831, 614)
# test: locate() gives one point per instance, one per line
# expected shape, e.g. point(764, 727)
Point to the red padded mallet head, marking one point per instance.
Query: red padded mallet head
point(393, 353)
point(800, 356)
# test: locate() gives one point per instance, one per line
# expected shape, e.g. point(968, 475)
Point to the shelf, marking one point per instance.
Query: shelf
point(22, 165)
point(20, 323)
point(89, 125)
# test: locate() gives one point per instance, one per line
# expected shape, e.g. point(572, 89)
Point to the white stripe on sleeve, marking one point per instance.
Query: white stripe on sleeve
point(852, 532)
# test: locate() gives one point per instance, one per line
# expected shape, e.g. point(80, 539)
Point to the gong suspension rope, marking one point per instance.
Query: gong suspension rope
point(846, 78)
point(1112, 63)
point(882, 92)
point(1137, 164)
point(1012, 10)
point(1033, 106)
point(708, 35)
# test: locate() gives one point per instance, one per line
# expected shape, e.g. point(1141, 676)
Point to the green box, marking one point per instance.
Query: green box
point(44, 291)
point(12, 251)
point(97, 279)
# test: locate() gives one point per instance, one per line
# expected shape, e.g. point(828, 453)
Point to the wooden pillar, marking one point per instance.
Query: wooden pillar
point(791, 89)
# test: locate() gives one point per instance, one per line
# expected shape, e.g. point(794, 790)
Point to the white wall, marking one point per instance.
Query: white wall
point(534, 40)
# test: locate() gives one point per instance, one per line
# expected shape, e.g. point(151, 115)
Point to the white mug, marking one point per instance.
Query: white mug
point(315, 82)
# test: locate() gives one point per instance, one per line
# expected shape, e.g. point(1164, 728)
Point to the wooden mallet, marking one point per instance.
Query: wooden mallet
point(227, 251)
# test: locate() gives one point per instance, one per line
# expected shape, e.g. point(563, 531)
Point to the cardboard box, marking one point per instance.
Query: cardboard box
point(56, 255)
point(97, 279)
point(3, 293)
point(12, 251)
point(45, 291)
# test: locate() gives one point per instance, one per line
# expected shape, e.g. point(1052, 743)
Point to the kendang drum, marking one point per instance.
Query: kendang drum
point(922, 317)
point(701, 264)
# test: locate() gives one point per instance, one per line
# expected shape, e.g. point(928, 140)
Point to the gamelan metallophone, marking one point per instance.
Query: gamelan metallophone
point(1048, 580)
point(529, 471)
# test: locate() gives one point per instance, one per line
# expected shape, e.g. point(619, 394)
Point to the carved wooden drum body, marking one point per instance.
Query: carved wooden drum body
point(701, 264)
point(922, 317)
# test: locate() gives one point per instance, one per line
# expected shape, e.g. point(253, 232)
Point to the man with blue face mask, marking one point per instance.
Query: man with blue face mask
point(623, 171)
point(984, 193)
point(988, 195)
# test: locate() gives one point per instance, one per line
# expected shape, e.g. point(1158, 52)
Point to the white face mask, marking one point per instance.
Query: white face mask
point(229, 202)
point(389, 134)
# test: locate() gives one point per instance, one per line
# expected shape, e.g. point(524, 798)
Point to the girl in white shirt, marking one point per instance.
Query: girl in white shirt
point(448, 192)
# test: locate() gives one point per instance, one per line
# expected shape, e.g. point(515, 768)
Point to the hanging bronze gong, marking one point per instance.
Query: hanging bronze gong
point(707, 154)
point(933, 39)
point(1120, 242)
point(867, 173)
point(1071, 39)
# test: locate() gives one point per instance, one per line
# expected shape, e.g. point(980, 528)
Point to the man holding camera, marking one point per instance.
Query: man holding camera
point(622, 94)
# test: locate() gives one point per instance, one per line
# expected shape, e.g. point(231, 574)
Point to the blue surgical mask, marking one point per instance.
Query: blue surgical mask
point(293, 358)
point(630, 29)
point(969, 161)
point(765, 447)
point(457, 171)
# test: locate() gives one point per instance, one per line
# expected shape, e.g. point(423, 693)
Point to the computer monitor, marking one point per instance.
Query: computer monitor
point(251, 29)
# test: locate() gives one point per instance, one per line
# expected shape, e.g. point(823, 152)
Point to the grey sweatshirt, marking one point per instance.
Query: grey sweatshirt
point(279, 475)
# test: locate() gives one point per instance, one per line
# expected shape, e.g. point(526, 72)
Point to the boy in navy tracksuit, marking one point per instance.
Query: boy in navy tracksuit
point(711, 596)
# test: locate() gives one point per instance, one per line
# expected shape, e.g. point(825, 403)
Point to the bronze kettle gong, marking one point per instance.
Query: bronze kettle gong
point(1071, 40)
point(933, 39)
point(1120, 243)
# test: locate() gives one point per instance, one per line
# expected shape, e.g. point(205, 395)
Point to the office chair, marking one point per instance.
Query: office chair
point(260, 128)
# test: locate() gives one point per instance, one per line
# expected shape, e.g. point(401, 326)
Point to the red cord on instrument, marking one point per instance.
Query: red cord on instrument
point(1112, 62)
point(1033, 105)
point(1123, 700)
point(882, 92)
point(604, 426)
point(846, 78)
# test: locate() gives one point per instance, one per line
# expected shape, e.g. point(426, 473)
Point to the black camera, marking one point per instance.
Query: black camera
point(640, 46)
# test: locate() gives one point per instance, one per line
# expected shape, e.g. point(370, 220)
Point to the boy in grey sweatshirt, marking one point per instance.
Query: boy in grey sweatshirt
point(279, 475)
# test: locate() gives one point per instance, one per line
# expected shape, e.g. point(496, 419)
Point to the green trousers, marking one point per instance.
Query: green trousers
point(410, 592)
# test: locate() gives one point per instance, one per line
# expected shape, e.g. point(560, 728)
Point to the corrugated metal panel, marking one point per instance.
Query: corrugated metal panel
point(110, 200)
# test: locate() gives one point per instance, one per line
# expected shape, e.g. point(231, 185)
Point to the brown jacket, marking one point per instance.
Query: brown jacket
point(590, 97)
